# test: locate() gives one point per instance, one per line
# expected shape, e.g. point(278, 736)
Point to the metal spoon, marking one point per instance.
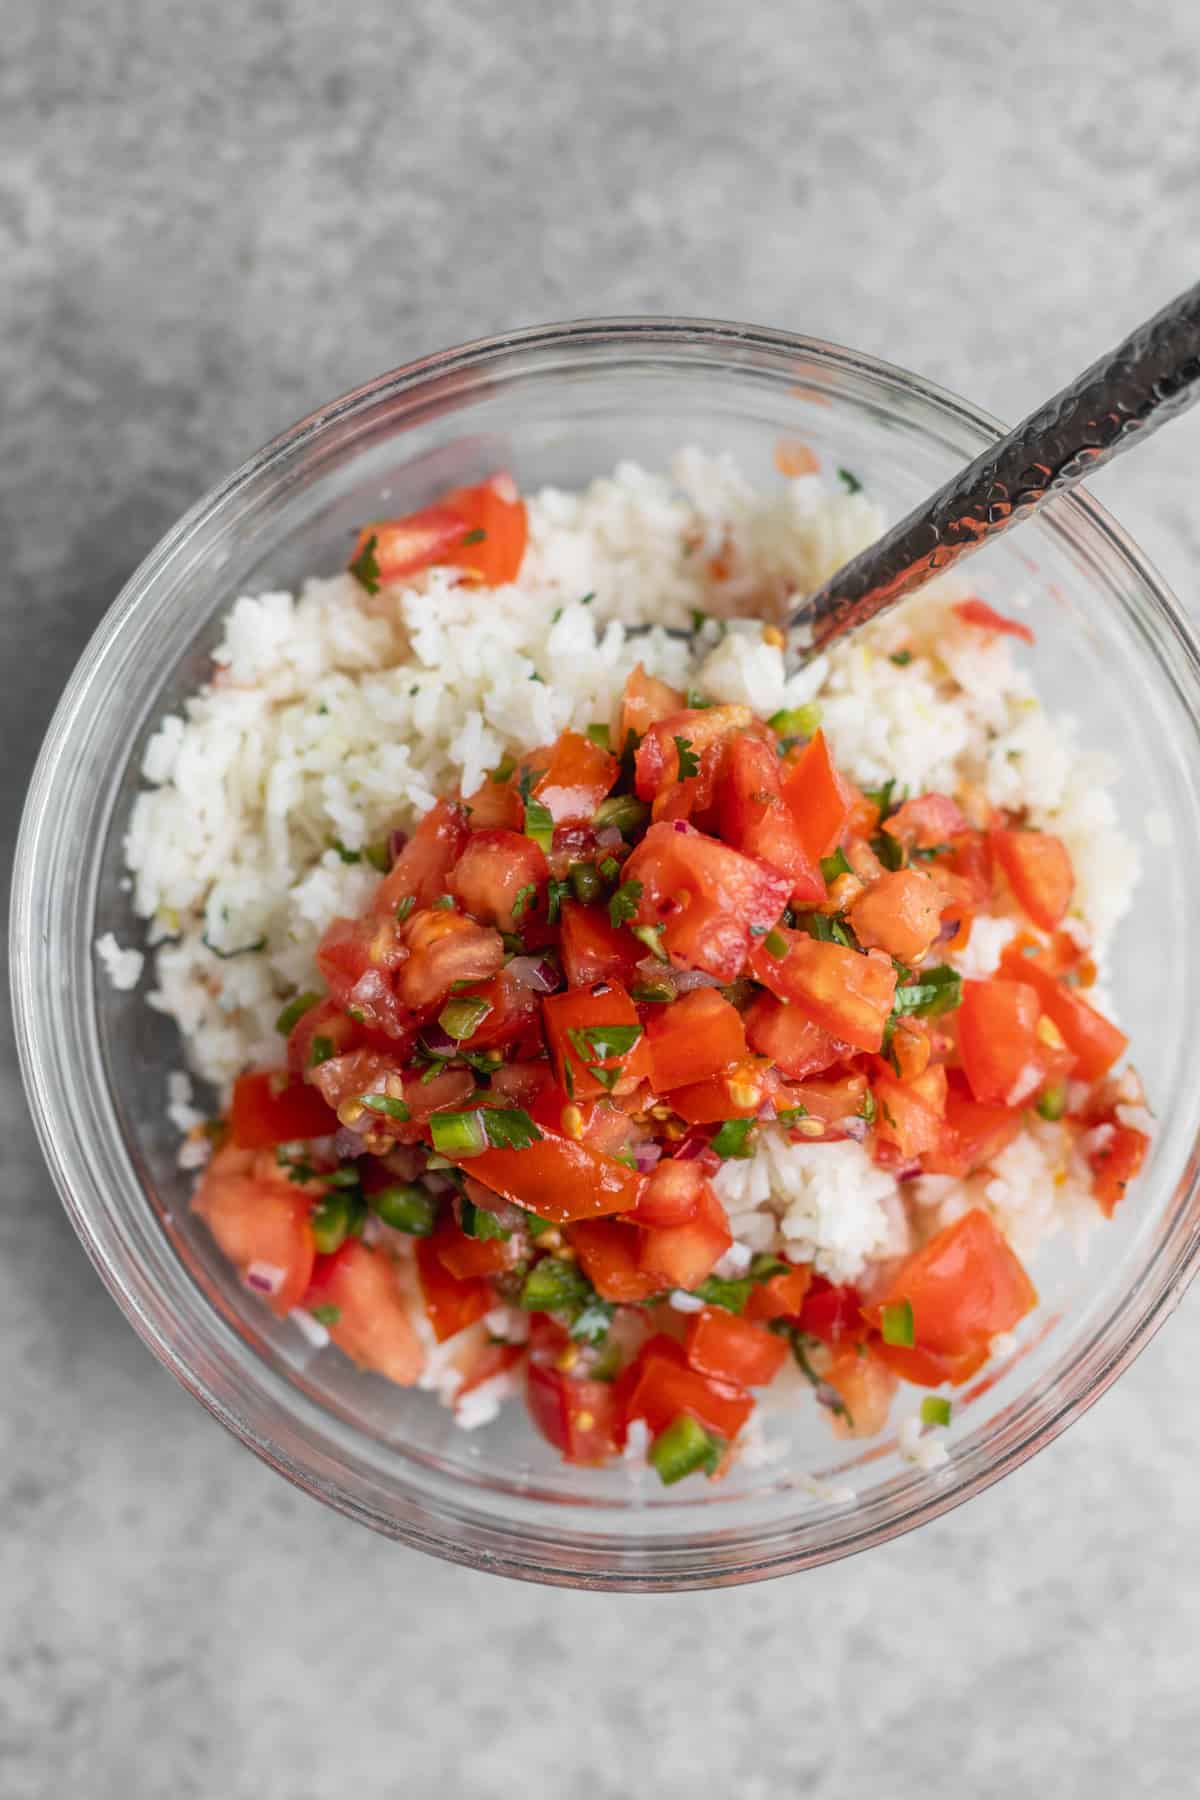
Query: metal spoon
point(1151, 376)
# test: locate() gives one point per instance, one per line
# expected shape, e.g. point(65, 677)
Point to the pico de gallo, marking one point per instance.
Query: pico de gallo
point(582, 988)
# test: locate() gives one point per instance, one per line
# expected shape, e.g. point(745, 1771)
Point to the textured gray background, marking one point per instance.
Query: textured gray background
point(213, 216)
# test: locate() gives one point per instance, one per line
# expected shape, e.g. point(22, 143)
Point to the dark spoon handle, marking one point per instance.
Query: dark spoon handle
point(1152, 376)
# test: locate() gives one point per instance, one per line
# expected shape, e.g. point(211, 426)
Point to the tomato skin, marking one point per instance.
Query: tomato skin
point(608, 1253)
point(847, 995)
point(998, 1042)
point(866, 1388)
point(926, 1368)
point(495, 508)
point(900, 913)
point(736, 1093)
point(782, 1297)
point(577, 1417)
point(831, 1313)
point(357, 959)
point(693, 1038)
point(328, 1020)
point(594, 950)
point(794, 1042)
point(904, 1117)
point(926, 821)
point(422, 869)
point(1095, 1042)
point(373, 1326)
point(819, 799)
point(645, 702)
point(579, 776)
point(452, 1302)
point(755, 819)
point(977, 612)
point(514, 1017)
point(1115, 1165)
point(467, 1257)
point(709, 732)
point(444, 948)
point(584, 1009)
point(708, 897)
point(683, 1255)
point(733, 1349)
point(558, 1179)
point(257, 1217)
point(832, 1101)
point(270, 1108)
point(493, 868)
point(658, 1385)
point(1039, 871)
point(672, 1194)
point(965, 1285)
point(405, 546)
point(972, 1132)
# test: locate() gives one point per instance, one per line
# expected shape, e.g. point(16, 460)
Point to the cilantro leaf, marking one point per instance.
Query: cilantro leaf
point(509, 1128)
point(365, 567)
point(731, 1140)
point(598, 1043)
point(524, 896)
point(624, 903)
point(689, 762)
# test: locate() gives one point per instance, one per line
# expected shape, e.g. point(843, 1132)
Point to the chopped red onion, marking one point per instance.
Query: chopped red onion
point(265, 1277)
point(854, 1126)
point(908, 1171)
point(687, 979)
point(679, 825)
point(438, 1041)
point(646, 1154)
point(608, 837)
point(949, 928)
point(347, 1143)
point(396, 843)
point(536, 972)
point(766, 1112)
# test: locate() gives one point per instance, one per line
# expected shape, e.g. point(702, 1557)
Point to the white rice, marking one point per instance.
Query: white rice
point(335, 715)
point(123, 967)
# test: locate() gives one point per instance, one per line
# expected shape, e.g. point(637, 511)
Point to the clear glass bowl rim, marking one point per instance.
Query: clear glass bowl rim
point(534, 1554)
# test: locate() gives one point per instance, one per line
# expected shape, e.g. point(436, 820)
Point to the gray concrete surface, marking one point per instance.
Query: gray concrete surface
point(213, 216)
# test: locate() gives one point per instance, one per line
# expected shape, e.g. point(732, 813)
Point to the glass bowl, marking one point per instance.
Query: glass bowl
point(561, 404)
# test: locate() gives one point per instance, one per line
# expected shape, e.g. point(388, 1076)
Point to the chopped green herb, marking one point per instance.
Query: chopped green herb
point(556, 893)
point(732, 1139)
point(608, 1078)
point(791, 1115)
point(849, 481)
point(503, 771)
point(325, 1314)
point(405, 907)
point(588, 598)
point(600, 1043)
point(827, 1395)
point(509, 1128)
point(796, 721)
point(765, 1266)
point(901, 658)
point(934, 992)
point(654, 993)
point(528, 780)
point(652, 937)
point(1052, 1101)
point(624, 903)
point(294, 1011)
point(473, 537)
point(896, 1325)
point(732, 1295)
point(242, 949)
point(525, 896)
point(684, 1448)
point(585, 882)
point(889, 850)
point(365, 567)
point(699, 620)
point(477, 1222)
point(405, 1207)
point(696, 701)
point(591, 1325)
point(384, 1103)
point(610, 868)
point(513, 943)
point(320, 1051)
point(601, 736)
point(826, 930)
point(624, 811)
point(776, 945)
point(535, 1225)
point(539, 824)
point(379, 857)
point(462, 1018)
point(867, 1109)
point(835, 865)
point(444, 903)
point(556, 1286)
point(689, 762)
point(346, 856)
point(935, 1410)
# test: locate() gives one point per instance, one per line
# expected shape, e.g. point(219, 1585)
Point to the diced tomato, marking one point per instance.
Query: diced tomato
point(866, 1388)
point(719, 1343)
point(819, 799)
point(1039, 871)
point(672, 1194)
point(693, 1038)
point(326, 1020)
point(794, 458)
point(496, 806)
point(594, 950)
point(831, 1313)
point(646, 701)
point(467, 1256)
point(911, 1048)
point(926, 821)
point(900, 913)
point(708, 897)
point(495, 509)
point(977, 612)
point(965, 1285)
point(998, 1042)
point(755, 819)
point(904, 1118)
point(780, 1297)
point(927, 1368)
point(341, 1078)
point(558, 1179)
point(846, 994)
point(1115, 1164)
point(683, 1255)
point(737, 1092)
point(793, 1041)
point(490, 1361)
point(271, 1108)
point(972, 860)
point(451, 1301)
point(575, 1024)
point(578, 777)
point(708, 733)
point(658, 1385)
point(258, 1218)
point(1096, 1043)
point(357, 958)
point(403, 547)
point(421, 872)
point(608, 1253)
point(494, 868)
point(514, 1016)
point(444, 948)
point(577, 1417)
point(972, 1133)
point(372, 1325)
